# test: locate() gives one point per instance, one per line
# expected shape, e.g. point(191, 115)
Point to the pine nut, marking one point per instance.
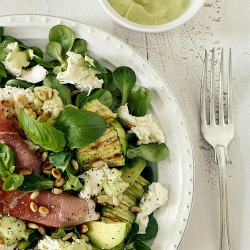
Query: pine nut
point(56, 190)
point(59, 182)
point(47, 166)
point(8, 103)
point(116, 201)
point(67, 236)
point(56, 112)
point(102, 198)
point(33, 207)
point(47, 171)
point(44, 156)
point(22, 100)
point(39, 112)
point(135, 210)
point(33, 115)
point(28, 110)
point(43, 210)
point(85, 237)
point(74, 92)
point(75, 164)
point(55, 172)
point(50, 93)
point(74, 236)
point(45, 116)
point(98, 164)
point(32, 225)
point(34, 195)
point(41, 95)
point(38, 103)
point(41, 230)
point(26, 171)
point(83, 228)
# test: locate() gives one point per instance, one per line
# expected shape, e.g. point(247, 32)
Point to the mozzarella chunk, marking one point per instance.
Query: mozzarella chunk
point(146, 130)
point(155, 197)
point(34, 75)
point(83, 77)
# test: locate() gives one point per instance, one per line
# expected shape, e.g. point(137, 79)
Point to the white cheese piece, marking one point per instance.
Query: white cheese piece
point(46, 243)
point(155, 197)
point(98, 179)
point(34, 75)
point(146, 130)
point(83, 77)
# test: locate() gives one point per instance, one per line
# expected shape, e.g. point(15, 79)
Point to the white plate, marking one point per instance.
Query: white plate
point(176, 172)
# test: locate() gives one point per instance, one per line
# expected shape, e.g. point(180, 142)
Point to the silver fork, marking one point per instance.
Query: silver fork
point(218, 129)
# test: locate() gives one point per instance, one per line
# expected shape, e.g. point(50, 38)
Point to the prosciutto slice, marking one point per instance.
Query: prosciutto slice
point(24, 157)
point(64, 209)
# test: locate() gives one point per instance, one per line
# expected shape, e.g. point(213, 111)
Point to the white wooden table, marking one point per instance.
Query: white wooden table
point(178, 55)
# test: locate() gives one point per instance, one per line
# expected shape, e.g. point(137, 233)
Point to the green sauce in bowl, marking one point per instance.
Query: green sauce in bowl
point(150, 12)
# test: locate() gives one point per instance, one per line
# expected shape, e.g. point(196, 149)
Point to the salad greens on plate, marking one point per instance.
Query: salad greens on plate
point(77, 148)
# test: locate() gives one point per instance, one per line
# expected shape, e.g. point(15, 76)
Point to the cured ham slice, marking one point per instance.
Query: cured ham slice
point(24, 157)
point(61, 210)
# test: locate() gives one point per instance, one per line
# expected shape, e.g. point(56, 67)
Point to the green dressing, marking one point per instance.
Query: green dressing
point(150, 12)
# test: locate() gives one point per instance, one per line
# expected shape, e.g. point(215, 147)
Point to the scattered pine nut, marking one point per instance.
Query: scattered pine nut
point(45, 116)
point(1, 240)
point(56, 190)
point(32, 225)
point(74, 92)
point(116, 201)
point(135, 209)
point(55, 172)
point(41, 95)
point(85, 237)
point(38, 103)
point(28, 110)
point(67, 236)
point(33, 115)
point(83, 228)
point(34, 195)
point(47, 171)
point(50, 93)
point(26, 171)
point(47, 165)
point(56, 112)
point(43, 210)
point(33, 207)
point(8, 103)
point(98, 164)
point(102, 198)
point(75, 164)
point(44, 156)
point(59, 182)
point(41, 230)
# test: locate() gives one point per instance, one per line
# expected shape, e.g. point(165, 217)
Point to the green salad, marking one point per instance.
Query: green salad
point(77, 149)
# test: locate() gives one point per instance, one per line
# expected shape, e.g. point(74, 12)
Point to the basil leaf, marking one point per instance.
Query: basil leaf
point(63, 90)
point(42, 134)
point(151, 230)
point(7, 160)
point(81, 127)
point(35, 182)
point(13, 181)
point(133, 231)
point(60, 160)
point(3, 72)
point(152, 152)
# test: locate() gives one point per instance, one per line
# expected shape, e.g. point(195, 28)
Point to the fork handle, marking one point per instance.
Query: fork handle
point(221, 156)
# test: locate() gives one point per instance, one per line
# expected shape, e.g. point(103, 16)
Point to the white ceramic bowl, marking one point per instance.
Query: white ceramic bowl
point(191, 10)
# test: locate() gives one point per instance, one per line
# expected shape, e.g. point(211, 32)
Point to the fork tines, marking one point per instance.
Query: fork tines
point(216, 94)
